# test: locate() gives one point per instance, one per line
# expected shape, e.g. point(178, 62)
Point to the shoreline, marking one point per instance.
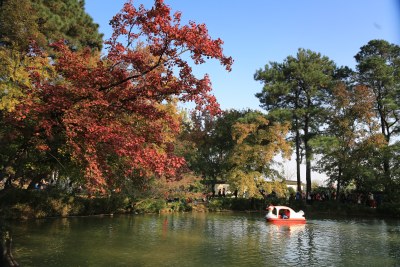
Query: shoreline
point(26, 205)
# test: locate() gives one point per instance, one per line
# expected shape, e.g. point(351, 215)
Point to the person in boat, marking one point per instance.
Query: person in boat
point(286, 214)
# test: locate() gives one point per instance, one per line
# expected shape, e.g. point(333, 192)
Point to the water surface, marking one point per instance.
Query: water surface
point(205, 239)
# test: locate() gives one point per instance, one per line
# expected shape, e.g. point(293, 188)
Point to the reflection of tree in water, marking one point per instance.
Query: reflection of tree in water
point(38, 240)
point(393, 241)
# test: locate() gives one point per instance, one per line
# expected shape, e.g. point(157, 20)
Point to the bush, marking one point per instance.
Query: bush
point(237, 204)
point(150, 205)
point(182, 205)
point(389, 209)
point(25, 204)
point(219, 204)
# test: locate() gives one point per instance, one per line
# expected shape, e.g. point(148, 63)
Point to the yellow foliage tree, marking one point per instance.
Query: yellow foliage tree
point(15, 72)
point(257, 142)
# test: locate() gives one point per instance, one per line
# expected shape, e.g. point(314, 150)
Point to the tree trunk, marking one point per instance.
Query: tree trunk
point(298, 156)
point(298, 161)
point(338, 184)
point(308, 157)
point(8, 183)
point(6, 257)
point(308, 175)
point(386, 166)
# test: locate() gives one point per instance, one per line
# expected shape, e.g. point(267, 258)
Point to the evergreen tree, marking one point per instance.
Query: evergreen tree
point(297, 90)
point(378, 66)
point(67, 19)
point(48, 21)
point(18, 24)
point(347, 143)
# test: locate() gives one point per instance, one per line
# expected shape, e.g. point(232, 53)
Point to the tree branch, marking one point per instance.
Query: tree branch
point(140, 74)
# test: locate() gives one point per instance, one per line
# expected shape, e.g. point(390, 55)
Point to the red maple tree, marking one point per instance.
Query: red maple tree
point(109, 110)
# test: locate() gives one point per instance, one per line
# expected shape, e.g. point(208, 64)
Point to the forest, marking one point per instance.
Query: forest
point(99, 118)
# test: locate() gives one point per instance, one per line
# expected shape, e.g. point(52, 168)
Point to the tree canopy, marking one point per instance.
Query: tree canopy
point(112, 121)
point(296, 91)
point(109, 111)
point(378, 65)
point(209, 142)
point(47, 22)
point(258, 141)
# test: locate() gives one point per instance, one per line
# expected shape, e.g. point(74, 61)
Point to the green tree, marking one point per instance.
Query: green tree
point(67, 19)
point(378, 66)
point(18, 25)
point(350, 122)
point(47, 22)
point(297, 91)
point(208, 142)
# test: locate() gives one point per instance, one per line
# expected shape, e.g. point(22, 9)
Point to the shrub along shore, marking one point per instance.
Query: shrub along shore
point(35, 204)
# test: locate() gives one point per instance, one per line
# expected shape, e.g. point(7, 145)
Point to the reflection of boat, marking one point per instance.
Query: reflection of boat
point(286, 229)
point(284, 215)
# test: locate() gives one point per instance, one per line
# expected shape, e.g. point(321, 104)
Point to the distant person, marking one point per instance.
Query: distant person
point(372, 202)
point(219, 192)
point(223, 192)
point(378, 200)
point(309, 198)
point(291, 198)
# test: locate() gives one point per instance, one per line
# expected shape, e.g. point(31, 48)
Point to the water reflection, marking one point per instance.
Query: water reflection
point(202, 239)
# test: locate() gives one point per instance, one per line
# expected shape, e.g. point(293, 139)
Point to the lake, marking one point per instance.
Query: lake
point(204, 239)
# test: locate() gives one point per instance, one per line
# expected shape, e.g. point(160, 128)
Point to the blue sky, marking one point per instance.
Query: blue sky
point(256, 32)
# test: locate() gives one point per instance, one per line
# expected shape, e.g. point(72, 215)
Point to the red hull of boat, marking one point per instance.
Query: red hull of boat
point(287, 221)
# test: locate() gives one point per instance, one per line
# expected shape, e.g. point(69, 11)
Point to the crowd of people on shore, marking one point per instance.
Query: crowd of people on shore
point(370, 199)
